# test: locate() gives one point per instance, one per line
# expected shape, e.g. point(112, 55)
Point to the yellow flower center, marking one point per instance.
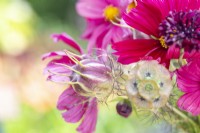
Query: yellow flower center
point(131, 6)
point(162, 42)
point(111, 13)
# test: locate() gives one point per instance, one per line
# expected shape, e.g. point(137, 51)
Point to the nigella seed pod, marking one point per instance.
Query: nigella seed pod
point(92, 78)
point(124, 108)
point(149, 84)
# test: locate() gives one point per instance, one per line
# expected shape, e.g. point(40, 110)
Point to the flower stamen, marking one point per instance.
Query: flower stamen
point(72, 69)
point(111, 13)
point(162, 42)
point(121, 25)
point(131, 5)
point(74, 59)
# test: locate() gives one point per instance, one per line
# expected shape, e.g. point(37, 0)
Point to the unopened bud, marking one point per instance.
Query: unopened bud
point(92, 78)
point(124, 108)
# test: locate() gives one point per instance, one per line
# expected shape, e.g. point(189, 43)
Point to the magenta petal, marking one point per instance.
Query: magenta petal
point(92, 9)
point(58, 78)
point(91, 26)
point(68, 99)
point(52, 54)
point(88, 124)
point(57, 72)
point(114, 2)
point(192, 55)
point(74, 114)
point(143, 18)
point(68, 40)
point(190, 102)
point(53, 68)
point(173, 52)
point(97, 33)
point(195, 4)
point(137, 45)
point(114, 34)
point(119, 3)
point(130, 51)
point(181, 5)
point(107, 38)
point(188, 80)
point(62, 77)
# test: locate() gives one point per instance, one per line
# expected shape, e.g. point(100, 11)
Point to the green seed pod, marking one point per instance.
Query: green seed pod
point(92, 78)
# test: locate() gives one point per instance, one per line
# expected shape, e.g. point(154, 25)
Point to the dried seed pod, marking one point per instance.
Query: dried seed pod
point(92, 78)
point(149, 84)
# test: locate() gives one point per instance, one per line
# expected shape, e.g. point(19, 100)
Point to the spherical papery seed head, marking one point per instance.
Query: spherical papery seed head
point(150, 86)
point(94, 79)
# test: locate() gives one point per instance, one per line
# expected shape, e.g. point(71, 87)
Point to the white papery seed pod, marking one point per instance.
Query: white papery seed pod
point(149, 84)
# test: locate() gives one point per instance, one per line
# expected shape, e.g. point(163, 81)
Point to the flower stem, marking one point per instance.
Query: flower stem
point(181, 60)
point(184, 116)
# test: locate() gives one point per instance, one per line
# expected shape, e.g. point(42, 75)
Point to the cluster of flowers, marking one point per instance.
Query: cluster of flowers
point(145, 36)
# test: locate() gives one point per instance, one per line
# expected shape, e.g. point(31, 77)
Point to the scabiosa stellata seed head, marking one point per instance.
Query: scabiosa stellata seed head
point(181, 29)
point(149, 84)
point(124, 108)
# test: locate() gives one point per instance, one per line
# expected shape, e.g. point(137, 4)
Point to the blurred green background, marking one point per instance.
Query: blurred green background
point(27, 100)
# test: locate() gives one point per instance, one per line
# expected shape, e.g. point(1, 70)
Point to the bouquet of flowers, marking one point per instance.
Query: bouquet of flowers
point(143, 54)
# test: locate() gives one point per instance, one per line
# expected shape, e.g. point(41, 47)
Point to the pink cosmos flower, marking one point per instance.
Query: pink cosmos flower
point(76, 107)
point(100, 14)
point(188, 80)
point(171, 26)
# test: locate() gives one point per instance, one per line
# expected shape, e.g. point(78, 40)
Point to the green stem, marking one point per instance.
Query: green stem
point(184, 116)
point(181, 57)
